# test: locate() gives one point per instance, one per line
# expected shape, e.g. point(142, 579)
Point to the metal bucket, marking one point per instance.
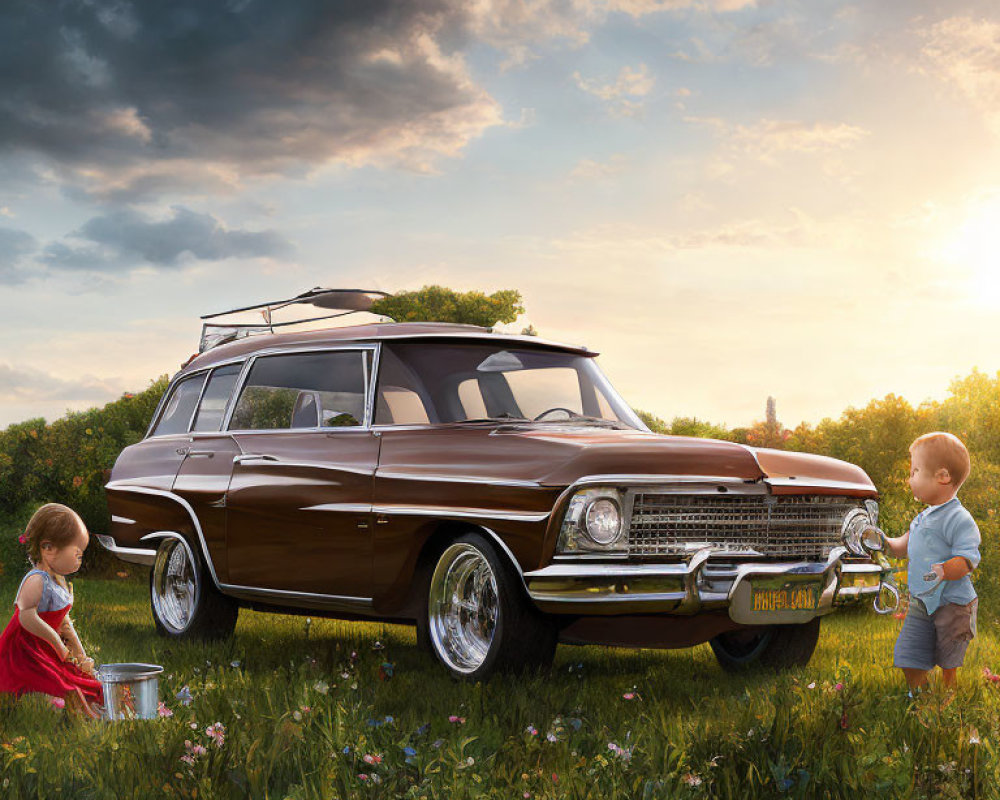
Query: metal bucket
point(131, 691)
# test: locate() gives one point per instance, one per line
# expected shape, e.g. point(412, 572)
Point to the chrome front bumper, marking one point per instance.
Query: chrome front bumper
point(698, 585)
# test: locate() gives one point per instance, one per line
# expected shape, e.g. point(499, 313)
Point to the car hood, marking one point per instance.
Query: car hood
point(588, 452)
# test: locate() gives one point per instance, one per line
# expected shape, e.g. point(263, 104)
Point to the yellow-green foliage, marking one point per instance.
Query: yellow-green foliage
point(65, 462)
point(440, 304)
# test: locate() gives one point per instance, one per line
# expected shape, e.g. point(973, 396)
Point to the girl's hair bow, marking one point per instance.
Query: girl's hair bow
point(23, 538)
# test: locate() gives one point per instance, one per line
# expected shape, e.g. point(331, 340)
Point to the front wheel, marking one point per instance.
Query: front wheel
point(185, 603)
point(774, 647)
point(478, 618)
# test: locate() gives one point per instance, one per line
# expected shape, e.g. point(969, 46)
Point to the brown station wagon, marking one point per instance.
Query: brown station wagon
point(493, 489)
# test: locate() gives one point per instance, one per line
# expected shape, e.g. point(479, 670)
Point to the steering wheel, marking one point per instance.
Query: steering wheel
point(554, 408)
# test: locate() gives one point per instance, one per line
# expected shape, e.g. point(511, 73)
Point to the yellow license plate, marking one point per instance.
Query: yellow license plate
point(791, 598)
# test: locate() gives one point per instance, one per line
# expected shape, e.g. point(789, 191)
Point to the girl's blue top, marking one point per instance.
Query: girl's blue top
point(54, 597)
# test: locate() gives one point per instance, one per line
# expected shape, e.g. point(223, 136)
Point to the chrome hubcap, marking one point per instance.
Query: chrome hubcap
point(174, 585)
point(463, 607)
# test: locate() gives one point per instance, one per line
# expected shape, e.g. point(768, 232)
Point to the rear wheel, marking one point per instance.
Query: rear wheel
point(185, 603)
point(478, 618)
point(774, 647)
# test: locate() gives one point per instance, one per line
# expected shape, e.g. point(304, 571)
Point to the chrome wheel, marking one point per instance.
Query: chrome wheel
point(174, 585)
point(463, 607)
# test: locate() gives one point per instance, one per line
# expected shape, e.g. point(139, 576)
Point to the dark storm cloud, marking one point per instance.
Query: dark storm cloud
point(14, 246)
point(260, 85)
point(125, 239)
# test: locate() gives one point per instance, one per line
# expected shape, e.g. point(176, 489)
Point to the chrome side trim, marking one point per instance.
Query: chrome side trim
point(122, 520)
point(331, 602)
point(345, 508)
point(135, 555)
point(460, 513)
point(411, 476)
point(263, 459)
point(118, 486)
point(507, 552)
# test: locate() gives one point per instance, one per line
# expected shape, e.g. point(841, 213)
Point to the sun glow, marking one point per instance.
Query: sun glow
point(975, 250)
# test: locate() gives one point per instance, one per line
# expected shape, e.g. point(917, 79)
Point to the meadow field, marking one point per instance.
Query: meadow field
point(293, 707)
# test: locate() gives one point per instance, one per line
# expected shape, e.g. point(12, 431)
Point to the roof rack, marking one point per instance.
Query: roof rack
point(347, 301)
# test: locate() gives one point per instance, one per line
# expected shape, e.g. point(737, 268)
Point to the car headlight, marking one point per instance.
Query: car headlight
point(593, 523)
point(859, 532)
point(872, 507)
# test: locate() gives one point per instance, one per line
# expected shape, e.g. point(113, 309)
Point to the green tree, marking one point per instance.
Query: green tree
point(440, 304)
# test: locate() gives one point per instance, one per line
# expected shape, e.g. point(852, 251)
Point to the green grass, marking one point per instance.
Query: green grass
point(691, 730)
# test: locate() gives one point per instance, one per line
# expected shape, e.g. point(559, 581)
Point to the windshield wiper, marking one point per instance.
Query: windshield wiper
point(599, 421)
point(505, 417)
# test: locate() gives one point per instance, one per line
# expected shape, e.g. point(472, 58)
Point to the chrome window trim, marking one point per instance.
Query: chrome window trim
point(208, 379)
point(171, 388)
point(177, 378)
point(291, 351)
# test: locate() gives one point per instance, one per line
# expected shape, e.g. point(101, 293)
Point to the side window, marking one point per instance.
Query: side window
point(471, 398)
point(180, 406)
point(216, 397)
point(306, 390)
point(401, 398)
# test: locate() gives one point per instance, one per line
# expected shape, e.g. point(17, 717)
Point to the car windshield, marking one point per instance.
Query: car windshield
point(434, 382)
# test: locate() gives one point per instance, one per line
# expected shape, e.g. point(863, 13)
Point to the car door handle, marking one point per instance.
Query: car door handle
point(205, 453)
point(250, 457)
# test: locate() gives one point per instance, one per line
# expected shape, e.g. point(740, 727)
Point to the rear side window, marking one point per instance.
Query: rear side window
point(179, 407)
point(307, 390)
point(216, 397)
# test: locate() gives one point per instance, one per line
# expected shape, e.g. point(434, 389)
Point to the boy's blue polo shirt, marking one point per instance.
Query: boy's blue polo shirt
point(937, 534)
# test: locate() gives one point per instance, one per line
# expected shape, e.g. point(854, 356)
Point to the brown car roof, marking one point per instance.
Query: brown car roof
point(378, 331)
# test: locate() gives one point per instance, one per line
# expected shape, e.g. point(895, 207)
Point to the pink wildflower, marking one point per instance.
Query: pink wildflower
point(456, 720)
point(217, 732)
point(838, 687)
point(163, 711)
point(372, 758)
point(629, 695)
point(58, 702)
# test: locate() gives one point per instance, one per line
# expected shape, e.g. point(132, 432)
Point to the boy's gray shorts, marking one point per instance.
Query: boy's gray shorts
point(940, 638)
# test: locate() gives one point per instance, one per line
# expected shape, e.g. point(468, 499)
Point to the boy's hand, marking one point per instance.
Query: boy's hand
point(87, 665)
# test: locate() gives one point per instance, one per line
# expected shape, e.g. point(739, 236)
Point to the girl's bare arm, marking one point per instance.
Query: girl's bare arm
point(69, 636)
point(27, 602)
point(897, 547)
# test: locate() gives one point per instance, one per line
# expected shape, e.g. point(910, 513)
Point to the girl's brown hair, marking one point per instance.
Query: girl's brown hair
point(53, 523)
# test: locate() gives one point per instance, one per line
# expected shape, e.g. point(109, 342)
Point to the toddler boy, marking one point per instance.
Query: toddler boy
point(942, 546)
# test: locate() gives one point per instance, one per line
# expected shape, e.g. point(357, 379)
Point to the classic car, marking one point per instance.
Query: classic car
point(492, 489)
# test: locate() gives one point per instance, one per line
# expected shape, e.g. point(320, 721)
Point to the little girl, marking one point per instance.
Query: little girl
point(33, 655)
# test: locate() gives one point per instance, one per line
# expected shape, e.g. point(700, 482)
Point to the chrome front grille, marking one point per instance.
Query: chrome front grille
point(776, 526)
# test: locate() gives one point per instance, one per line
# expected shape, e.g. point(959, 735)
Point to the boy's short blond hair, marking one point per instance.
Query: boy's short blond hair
point(945, 450)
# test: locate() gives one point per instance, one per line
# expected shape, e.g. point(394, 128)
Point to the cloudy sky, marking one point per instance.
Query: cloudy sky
point(727, 198)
